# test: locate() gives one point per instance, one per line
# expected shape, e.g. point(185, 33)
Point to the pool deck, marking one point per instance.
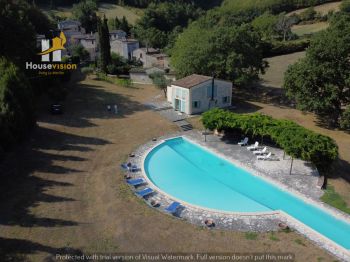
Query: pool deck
point(302, 182)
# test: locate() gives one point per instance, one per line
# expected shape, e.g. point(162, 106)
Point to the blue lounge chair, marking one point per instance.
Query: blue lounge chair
point(124, 166)
point(173, 207)
point(132, 168)
point(136, 182)
point(145, 192)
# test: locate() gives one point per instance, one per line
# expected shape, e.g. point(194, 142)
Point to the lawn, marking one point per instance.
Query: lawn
point(306, 29)
point(277, 66)
point(68, 194)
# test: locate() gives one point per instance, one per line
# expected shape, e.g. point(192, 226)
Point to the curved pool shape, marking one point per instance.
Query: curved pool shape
point(194, 175)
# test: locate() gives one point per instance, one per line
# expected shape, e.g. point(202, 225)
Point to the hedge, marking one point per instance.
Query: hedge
point(295, 140)
point(282, 48)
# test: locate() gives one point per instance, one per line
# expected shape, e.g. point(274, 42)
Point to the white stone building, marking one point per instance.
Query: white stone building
point(197, 93)
point(124, 47)
point(89, 42)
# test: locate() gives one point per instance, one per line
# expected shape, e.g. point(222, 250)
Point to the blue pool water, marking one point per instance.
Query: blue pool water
point(192, 174)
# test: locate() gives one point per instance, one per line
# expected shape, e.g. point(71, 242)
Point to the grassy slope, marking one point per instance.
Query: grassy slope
point(110, 10)
point(301, 30)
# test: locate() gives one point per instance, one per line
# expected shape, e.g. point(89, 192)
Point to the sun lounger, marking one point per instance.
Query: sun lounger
point(261, 152)
point(145, 192)
point(172, 207)
point(136, 182)
point(243, 142)
point(124, 166)
point(253, 147)
point(268, 156)
point(132, 168)
point(321, 181)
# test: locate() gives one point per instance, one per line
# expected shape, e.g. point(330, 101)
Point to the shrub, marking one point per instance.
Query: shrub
point(308, 15)
point(286, 47)
point(87, 70)
point(345, 119)
point(345, 6)
point(296, 140)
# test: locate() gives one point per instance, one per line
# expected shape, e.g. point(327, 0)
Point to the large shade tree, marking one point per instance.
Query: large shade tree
point(229, 52)
point(320, 82)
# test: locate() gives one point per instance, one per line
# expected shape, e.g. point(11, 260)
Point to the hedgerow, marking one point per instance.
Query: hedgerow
point(295, 140)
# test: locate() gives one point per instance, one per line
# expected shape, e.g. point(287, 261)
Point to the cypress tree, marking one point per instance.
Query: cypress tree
point(105, 47)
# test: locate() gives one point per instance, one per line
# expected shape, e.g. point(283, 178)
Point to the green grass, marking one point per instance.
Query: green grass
point(251, 235)
point(334, 199)
point(301, 30)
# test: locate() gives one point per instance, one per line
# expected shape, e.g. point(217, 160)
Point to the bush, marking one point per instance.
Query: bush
point(345, 119)
point(287, 47)
point(295, 140)
point(308, 15)
point(345, 6)
point(87, 70)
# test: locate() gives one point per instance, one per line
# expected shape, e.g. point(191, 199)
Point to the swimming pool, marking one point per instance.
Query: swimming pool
point(190, 173)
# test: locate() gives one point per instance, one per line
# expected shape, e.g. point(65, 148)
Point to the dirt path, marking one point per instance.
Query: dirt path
point(63, 191)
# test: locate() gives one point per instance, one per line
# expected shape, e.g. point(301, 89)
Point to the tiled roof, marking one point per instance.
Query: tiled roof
point(191, 81)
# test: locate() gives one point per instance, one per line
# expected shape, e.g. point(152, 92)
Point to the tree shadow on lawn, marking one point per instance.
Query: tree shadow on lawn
point(264, 94)
point(20, 190)
point(86, 102)
point(15, 250)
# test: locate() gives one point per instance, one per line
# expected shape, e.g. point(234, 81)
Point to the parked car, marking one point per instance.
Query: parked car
point(56, 109)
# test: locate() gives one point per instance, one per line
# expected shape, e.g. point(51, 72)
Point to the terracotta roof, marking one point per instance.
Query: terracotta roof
point(191, 81)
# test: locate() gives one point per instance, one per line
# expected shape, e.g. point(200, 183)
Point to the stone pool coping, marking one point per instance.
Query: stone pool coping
point(239, 221)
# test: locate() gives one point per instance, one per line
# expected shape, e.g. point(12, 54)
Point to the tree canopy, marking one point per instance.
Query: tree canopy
point(160, 21)
point(85, 12)
point(320, 82)
point(229, 52)
point(16, 104)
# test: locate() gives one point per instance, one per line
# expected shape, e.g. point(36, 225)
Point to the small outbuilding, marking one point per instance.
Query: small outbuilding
point(198, 93)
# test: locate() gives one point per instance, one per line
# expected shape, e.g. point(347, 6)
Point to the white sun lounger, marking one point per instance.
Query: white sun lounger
point(261, 152)
point(268, 156)
point(243, 142)
point(253, 147)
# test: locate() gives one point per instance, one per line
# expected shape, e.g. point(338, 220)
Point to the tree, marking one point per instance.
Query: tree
point(284, 25)
point(79, 52)
point(266, 25)
point(18, 42)
point(105, 48)
point(320, 82)
point(16, 104)
point(230, 52)
point(160, 81)
point(160, 20)
point(85, 12)
point(124, 25)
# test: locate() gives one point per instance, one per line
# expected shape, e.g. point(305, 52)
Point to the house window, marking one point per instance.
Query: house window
point(196, 104)
point(226, 99)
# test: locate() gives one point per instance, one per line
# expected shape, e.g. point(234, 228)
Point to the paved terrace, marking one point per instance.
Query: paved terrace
point(302, 181)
